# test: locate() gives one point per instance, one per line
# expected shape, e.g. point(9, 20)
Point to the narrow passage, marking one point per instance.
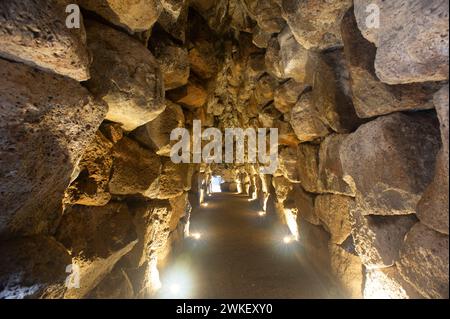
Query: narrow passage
point(239, 254)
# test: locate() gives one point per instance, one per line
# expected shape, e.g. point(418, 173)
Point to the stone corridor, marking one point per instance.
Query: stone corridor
point(241, 254)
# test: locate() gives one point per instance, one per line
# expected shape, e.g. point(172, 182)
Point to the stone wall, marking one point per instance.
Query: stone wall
point(87, 184)
point(368, 186)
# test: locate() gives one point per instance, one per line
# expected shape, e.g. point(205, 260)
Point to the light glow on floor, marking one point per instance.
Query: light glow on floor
point(177, 284)
point(288, 239)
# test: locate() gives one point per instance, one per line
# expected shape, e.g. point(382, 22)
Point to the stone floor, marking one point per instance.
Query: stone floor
point(240, 255)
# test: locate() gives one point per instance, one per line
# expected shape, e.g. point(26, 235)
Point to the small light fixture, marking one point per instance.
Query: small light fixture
point(287, 240)
point(262, 213)
point(290, 216)
point(177, 283)
point(196, 236)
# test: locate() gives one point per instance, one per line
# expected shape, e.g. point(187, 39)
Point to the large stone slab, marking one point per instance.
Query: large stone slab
point(134, 16)
point(286, 135)
point(260, 37)
point(97, 237)
point(433, 207)
point(269, 116)
point(267, 14)
point(334, 213)
point(330, 94)
point(295, 60)
point(304, 202)
point(378, 239)
point(202, 48)
point(306, 120)
point(200, 62)
point(47, 121)
point(174, 18)
point(395, 162)
point(192, 96)
point(315, 23)
point(424, 261)
point(371, 97)
point(442, 109)
point(387, 283)
point(264, 89)
point(412, 38)
point(272, 58)
point(172, 179)
point(135, 170)
point(255, 67)
point(152, 220)
point(287, 95)
point(331, 175)
point(35, 33)
point(441, 100)
point(125, 75)
point(91, 186)
point(287, 164)
point(347, 268)
point(173, 60)
point(308, 166)
point(327, 105)
point(33, 267)
point(181, 211)
point(314, 240)
point(156, 134)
